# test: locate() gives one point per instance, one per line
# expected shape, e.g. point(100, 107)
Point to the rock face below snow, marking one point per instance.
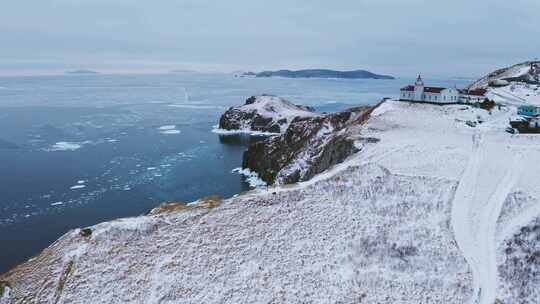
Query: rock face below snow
point(308, 147)
point(264, 113)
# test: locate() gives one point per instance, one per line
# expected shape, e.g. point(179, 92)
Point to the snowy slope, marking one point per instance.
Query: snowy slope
point(523, 85)
point(516, 93)
point(514, 71)
point(425, 215)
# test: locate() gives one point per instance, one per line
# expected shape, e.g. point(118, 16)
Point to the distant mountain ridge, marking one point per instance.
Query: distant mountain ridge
point(320, 73)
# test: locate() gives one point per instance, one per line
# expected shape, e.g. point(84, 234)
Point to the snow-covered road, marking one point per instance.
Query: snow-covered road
point(483, 188)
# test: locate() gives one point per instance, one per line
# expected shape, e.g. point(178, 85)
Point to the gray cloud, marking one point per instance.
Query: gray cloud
point(388, 36)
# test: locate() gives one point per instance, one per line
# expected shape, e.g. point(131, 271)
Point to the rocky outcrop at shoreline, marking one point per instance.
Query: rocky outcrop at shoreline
point(264, 113)
point(308, 147)
point(306, 143)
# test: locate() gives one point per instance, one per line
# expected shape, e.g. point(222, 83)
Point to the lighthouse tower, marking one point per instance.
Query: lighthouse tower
point(418, 88)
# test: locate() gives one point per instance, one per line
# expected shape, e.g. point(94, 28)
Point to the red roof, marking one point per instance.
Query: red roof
point(478, 92)
point(408, 88)
point(433, 90)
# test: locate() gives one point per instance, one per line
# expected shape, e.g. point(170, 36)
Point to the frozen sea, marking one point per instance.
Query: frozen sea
point(76, 150)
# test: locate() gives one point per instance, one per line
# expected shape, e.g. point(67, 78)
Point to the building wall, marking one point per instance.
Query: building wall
point(449, 95)
point(407, 95)
point(432, 97)
point(528, 111)
point(418, 93)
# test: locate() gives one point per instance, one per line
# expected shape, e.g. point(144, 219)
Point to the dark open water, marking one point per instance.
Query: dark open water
point(79, 150)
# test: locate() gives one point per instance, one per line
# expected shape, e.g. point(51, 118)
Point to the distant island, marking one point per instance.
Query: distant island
point(320, 73)
point(182, 71)
point(82, 72)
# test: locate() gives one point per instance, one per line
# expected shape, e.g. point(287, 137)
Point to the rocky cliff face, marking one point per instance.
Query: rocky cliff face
point(265, 113)
point(309, 146)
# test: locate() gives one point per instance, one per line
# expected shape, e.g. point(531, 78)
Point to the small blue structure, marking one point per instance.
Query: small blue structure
point(529, 111)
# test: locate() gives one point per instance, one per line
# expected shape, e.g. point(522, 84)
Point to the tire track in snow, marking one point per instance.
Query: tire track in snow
point(488, 229)
point(476, 208)
point(461, 214)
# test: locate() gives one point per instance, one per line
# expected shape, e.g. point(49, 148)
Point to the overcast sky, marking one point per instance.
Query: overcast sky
point(398, 37)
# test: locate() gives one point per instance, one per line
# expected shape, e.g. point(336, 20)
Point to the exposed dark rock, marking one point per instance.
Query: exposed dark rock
point(85, 232)
point(308, 147)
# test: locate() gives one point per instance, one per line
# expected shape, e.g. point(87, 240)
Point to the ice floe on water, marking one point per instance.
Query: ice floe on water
point(169, 129)
point(219, 131)
point(73, 146)
point(65, 146)
point(170, 132)
point(252, 178)
point(77, 187)
point(57, 204)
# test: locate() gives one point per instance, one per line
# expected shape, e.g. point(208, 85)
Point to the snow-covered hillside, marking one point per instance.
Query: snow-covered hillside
point(262, 114)
point(423, 216)
point(514, 85)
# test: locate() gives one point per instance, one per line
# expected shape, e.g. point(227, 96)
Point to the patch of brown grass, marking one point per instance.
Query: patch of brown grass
point(212, 201)
point(169, 207)
point(209, 202)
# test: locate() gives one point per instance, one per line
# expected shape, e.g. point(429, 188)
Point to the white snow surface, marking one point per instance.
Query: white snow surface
point(516, 94)
point(416, 218)
point(278, 107)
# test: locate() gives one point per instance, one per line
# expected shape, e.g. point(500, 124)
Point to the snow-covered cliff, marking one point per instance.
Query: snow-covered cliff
point(432, 211)
point(262, 114)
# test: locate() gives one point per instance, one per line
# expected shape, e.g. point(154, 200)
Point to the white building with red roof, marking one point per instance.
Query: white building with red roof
point(420, 93)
